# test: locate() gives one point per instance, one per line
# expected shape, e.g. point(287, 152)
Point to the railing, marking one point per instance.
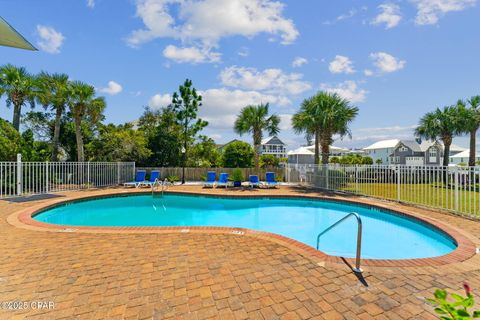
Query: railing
point(359, 238)
point(28, 178)
point(455, 189)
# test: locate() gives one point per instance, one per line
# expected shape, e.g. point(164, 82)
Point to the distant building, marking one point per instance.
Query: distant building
point(462, 157)
point(274, 146)
point(306, 155)
point(221, 147)
point(429, 153)
point(381, 150)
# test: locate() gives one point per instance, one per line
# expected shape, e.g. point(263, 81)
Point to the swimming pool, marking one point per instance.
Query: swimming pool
point(386, 235)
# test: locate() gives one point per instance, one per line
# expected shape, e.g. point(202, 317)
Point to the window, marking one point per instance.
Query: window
point(432, 152)
point(403, 149)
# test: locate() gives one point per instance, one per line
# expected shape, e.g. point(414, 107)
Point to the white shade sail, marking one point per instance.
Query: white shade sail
point(9, 37)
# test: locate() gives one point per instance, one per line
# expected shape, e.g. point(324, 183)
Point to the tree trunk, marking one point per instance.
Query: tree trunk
point(257, 144)
point(446, 152)
point(473, 145)
point(78, 136)
point(56, 133)
point(317, 147)
point(17, 111)
point(325, 150)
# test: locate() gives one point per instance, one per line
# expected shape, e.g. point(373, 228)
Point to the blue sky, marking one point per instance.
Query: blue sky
point(395, 60)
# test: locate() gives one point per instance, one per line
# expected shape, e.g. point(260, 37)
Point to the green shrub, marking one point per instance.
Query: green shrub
point(173, 179)
point(456, 309)
point(237, 175)
point(238, 154)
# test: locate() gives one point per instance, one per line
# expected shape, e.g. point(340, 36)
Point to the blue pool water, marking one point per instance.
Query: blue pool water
point(385, 235)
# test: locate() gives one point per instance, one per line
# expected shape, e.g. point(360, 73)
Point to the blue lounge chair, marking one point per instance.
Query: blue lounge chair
point(270, 180)
point(223, 180)
point(154, 178)
point(253, 181)
point(211, 179)
point(139, 177)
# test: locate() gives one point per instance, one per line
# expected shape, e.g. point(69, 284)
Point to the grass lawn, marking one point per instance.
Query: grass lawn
point(432, 195)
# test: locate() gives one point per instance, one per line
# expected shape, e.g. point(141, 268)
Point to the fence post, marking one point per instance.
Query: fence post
point(397, 167)
point(88, 174)
point(19, 175)
point(356, 179)
point(456, 189)
point(327, 168)
point(118, 173)
point(46, 177)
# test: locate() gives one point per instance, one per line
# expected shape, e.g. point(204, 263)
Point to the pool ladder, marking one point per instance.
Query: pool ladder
point(159, 183)
point(357, 268)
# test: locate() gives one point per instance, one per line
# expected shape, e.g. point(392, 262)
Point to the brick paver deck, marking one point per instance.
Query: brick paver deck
point(121, 275)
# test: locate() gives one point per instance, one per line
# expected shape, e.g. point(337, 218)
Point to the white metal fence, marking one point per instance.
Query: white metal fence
point(455, 189)
point(27, 178)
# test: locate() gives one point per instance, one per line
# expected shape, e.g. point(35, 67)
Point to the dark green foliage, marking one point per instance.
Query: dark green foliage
point(118, 143)
point(268, 161)
point(10, 141)
point(164, 137)
point(185, 107)
point(238, 154)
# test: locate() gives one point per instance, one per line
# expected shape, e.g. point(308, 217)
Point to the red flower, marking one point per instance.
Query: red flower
point(467, 288)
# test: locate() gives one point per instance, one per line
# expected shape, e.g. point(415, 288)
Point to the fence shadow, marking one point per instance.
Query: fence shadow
point(34, 197)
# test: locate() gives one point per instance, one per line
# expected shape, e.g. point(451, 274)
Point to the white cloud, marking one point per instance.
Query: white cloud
point(221, 106)
point(348, 90)
point(160, 101)
point(243, 52)
point(285, 121)
point(299, 61)
point(202, 23)
point(190, 55)
point(387, 63)
point(112, 89)
point(268, 80)
point(390, 15)
point(430, 11)
point(341, 64)
point(368, 72)
point(350, 14)
point(91, 3)
point(383, 133)
point(50, 40)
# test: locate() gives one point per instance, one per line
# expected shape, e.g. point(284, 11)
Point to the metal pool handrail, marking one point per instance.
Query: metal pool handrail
point(359, 237)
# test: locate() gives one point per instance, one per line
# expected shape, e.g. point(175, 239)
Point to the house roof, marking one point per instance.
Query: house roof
point(465, 154)
point(272, 140)
point(310, 150)
point(412, 144)
point(383, 144)
point(301, 151)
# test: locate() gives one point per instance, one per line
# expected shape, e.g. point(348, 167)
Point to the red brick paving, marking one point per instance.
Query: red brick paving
point(150, 275)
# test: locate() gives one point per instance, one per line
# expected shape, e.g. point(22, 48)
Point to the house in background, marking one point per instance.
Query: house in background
point(381, 150)
point(462, 157)
point(306, 155)
point(274, 146)
point(429, 153)
point(221, 147)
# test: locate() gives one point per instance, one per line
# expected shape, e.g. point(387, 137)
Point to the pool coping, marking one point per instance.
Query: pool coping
point(465, 247)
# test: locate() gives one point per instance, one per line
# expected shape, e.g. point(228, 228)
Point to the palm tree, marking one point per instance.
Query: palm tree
point(324, 115)
point(19, 86)
point(303, 122)
point(472, 126)
point(83, 105)
point(53, 92)
point(442, 124)
point(255, 120)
